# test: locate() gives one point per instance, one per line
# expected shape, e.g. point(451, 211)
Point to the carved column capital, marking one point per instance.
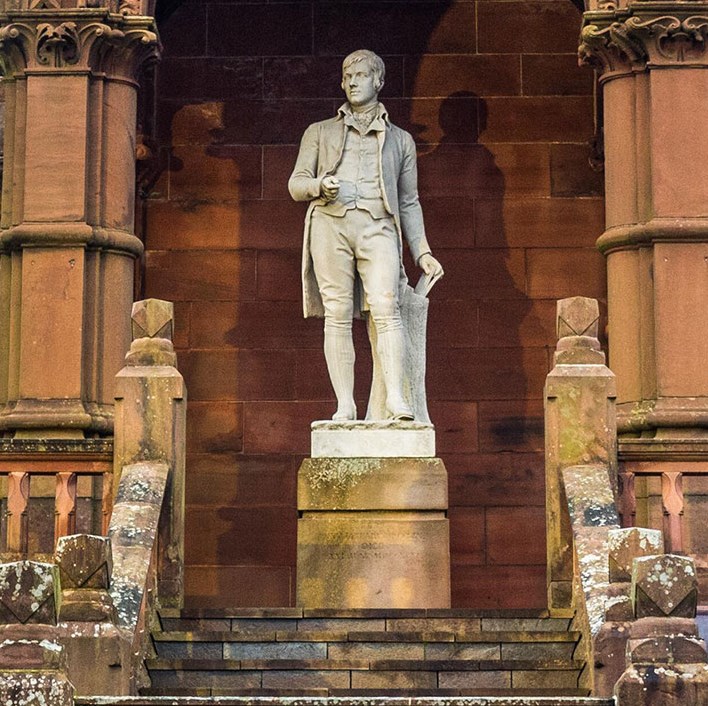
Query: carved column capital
point(82, 40)
point(645, 35)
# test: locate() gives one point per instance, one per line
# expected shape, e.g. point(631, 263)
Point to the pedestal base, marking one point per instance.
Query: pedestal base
point(373, 533)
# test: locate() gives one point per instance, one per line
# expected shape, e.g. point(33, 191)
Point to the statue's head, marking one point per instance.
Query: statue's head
point(362, 76)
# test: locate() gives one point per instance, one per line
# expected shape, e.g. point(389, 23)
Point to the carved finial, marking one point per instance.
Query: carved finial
point(84, 561)
point(152, 323)
point(152, 318)
point(664, 586)
point(28, 593)
point(626, 544)
point(577, 316)
point(577, 323)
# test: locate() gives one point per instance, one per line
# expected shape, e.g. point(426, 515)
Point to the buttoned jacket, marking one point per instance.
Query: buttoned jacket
point(321, 151)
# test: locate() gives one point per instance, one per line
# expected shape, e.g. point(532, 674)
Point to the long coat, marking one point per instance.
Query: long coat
point(321, 152)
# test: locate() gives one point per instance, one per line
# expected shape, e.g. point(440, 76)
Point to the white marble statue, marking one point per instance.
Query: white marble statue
point(358, 171)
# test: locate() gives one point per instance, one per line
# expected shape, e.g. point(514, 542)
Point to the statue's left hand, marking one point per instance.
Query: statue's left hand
point(430, 266)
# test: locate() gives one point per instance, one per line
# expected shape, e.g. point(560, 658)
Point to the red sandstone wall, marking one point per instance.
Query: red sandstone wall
point(501, 113)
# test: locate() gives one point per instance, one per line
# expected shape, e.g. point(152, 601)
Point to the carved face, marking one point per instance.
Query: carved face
point(360, 84)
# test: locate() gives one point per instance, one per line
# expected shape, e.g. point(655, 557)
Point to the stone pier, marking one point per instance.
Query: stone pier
point(373, 529)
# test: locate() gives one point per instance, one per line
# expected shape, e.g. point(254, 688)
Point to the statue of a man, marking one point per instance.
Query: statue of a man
point(358, 171)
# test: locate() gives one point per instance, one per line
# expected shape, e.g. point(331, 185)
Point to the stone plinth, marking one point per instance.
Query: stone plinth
point(373, 531)
point(380, 439)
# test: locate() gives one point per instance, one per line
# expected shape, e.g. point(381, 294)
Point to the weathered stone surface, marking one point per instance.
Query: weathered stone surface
point(682, 685)
point(30, 688)
point(108, 651)
point(133, 532)
point(31, 652)
point(577, 316)
point(152, 318)
point(619, 602)
point(28, 593)
point(373, 559)
point(657, 627)
point(373, 534)
point(84, 561)
point(667, 649)
point(609, 648)
point(628, 543)
point(592, 515)
point(372, 484)
point(664, 585)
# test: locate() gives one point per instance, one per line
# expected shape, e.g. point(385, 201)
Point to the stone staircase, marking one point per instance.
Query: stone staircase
point(291, 652)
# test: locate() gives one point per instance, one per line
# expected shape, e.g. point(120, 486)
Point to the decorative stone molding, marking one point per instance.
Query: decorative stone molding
point(628, 40)
point(92, 40)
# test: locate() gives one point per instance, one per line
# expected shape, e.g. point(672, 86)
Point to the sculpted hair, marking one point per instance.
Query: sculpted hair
point(375, 61)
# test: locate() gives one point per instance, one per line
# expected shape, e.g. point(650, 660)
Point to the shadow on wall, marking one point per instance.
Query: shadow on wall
point(223, 241)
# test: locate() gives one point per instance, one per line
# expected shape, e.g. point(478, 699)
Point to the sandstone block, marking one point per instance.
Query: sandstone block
point(373, 559)
point(28, 593)
point(627, 544)
point(373, 533)
point(372, 483)
point(667, 649)
point(31, 653)
point(361, 439)
point(87, 605)
point(664, 585)
point(618, 607)
point(84, 561)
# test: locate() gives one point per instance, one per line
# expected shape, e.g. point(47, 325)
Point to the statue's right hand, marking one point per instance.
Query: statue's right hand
point(329, 188)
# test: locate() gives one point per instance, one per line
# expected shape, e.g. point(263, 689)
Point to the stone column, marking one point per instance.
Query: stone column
point(652, 60)
point(67, 243)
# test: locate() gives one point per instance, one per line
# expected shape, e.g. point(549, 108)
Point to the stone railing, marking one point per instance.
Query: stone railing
point(634, 606)
point(81, 621)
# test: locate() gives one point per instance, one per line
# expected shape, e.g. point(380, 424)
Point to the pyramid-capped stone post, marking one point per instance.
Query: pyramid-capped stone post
point(665, 585)
point(150, 423)
point(580, 430)
point(627, 544)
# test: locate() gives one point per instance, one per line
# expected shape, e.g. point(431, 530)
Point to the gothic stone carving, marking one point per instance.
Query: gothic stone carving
point(624, 40)
point(114, 44)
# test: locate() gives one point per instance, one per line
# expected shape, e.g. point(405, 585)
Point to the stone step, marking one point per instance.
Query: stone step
point(344, 675)
point(209, 697)
point(354, 645)
point(273, 620)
